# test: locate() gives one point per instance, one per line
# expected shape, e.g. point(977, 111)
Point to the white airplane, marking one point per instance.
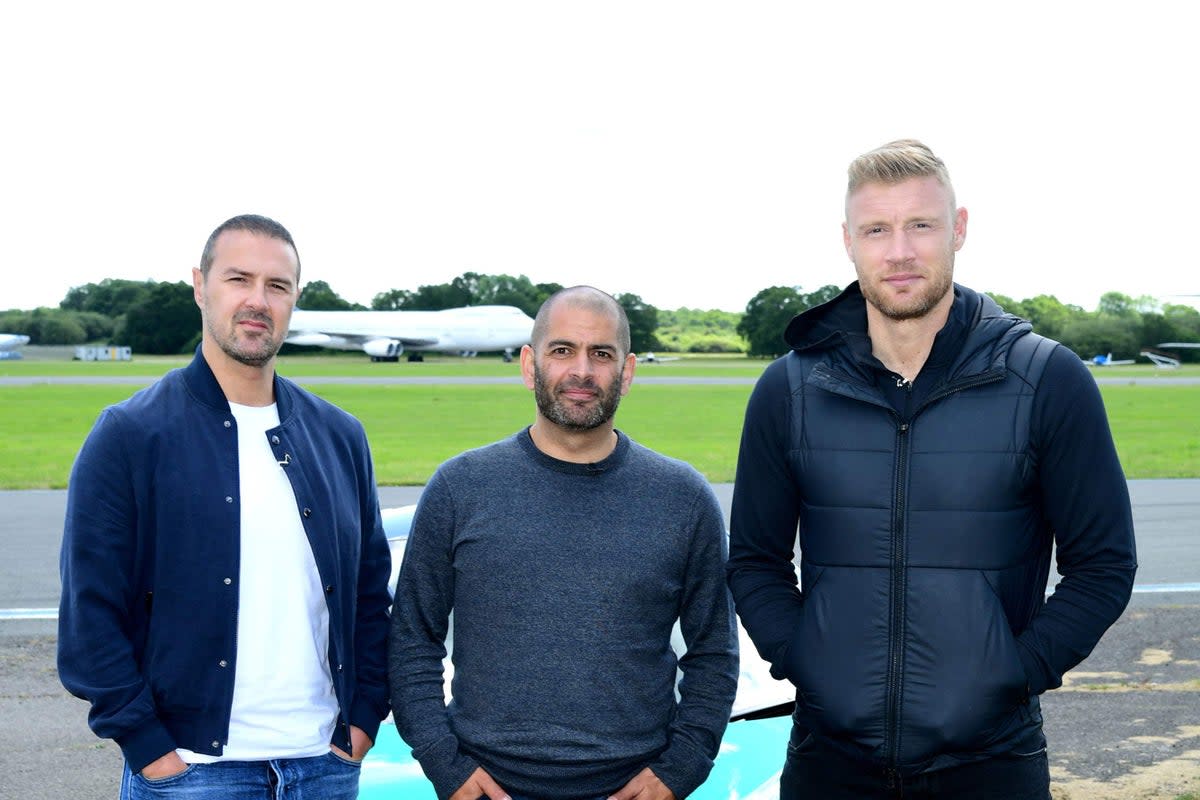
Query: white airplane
point(1168, 360)
point(11, 344)
point(386, 335)
point(1161, 360)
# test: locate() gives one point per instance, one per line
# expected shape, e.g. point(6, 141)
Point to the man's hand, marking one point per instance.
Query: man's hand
point(480, 784)
point(359, 742)
point(644, 786)
point(164, 767)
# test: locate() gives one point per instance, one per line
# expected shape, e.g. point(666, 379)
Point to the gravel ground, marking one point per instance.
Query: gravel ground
point(1126, 725)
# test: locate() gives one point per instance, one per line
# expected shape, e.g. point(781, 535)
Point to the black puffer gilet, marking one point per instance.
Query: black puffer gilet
point(924, 554)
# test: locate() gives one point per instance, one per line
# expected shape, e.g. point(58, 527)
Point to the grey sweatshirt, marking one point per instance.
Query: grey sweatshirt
point(565, 581)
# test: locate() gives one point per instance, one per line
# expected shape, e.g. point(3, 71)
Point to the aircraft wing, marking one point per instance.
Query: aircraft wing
point(12, 341)
point(342, 339)
point(384, 335)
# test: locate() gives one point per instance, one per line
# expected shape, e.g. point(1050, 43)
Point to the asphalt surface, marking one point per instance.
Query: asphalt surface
point(485, 380)
point(1125, 725)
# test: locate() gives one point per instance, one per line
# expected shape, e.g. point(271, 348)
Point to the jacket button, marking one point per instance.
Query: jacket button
point(307, 512)
point(222, 663)
point(228, 424)
point(228, 498)
point(339, 667)
point(329, 589)
point(216, 744)
point(228, 581)
point(274, 440)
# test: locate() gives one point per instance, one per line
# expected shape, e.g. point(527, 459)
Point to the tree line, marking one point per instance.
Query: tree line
point(1121, 325)
point(162, 318)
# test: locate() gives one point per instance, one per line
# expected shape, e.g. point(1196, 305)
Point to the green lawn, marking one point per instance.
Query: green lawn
point(1157, 429)
point(414, 428)
point(358, 365)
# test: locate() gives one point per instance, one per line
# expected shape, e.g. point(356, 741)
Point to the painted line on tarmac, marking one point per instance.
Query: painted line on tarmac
point(52, 613)
point(1163, 588)
point(28, 613)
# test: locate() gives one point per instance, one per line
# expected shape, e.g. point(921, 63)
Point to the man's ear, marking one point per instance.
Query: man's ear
point(960, 228)
point(627, 373)
point(198, 286)
point(527, 366)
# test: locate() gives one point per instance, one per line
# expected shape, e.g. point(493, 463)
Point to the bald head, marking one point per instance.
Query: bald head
point(587, 298)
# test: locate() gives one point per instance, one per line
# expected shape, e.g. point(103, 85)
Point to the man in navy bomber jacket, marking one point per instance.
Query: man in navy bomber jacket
point(224, 566)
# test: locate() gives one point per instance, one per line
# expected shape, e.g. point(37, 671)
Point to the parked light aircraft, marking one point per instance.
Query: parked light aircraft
point(1161, 360)
point(1168, 360)
point(1108, 361)
point(386, 335)
point(11, 344)
point(650, 358)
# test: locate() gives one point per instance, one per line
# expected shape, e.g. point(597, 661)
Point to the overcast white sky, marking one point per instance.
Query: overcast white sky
point(690, 152)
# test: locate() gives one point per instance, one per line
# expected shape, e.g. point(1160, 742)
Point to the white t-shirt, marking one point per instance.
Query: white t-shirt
point(283, 700)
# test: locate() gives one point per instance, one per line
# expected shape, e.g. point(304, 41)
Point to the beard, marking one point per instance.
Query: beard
point(916, 304)
point(256, 352)
point(570, 415)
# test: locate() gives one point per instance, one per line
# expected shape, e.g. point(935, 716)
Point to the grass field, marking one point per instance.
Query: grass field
point(356, 365)
point(414, 428)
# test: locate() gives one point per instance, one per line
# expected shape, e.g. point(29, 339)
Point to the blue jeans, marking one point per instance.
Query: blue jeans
point(326, 777)
point(816, 772)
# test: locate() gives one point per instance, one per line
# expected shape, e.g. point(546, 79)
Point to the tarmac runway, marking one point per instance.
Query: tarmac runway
point(484, 380)
point(1125, 725)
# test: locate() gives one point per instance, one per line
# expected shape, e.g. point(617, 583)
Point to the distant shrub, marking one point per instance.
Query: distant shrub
point(716, 344)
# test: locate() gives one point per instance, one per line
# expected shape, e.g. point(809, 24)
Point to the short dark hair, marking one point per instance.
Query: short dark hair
point(590, 298)
point(251, 223)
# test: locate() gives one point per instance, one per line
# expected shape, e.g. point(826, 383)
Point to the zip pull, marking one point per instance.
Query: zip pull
point(903, 383)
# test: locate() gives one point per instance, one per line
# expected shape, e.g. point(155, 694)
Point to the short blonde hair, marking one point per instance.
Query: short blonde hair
point(896, 162)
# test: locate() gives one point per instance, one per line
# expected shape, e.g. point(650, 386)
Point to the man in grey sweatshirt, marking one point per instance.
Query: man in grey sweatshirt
point(567, 552)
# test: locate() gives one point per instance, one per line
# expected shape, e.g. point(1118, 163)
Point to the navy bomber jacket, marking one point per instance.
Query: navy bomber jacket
point(919, 637)
point(149, 563)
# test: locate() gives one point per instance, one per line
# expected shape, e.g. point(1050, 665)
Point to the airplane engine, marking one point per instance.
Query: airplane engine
point(383, 349)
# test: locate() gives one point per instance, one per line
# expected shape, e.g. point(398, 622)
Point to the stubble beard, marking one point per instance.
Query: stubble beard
point(913, 306)
point(260, 356)
point(570, 416)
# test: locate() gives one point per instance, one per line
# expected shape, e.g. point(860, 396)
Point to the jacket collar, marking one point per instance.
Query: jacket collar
point(203, 386)
point(975, 339)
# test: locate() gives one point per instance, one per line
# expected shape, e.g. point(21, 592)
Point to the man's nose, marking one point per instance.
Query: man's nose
point(900, 247)
point(257, 297)
point(581, 364)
